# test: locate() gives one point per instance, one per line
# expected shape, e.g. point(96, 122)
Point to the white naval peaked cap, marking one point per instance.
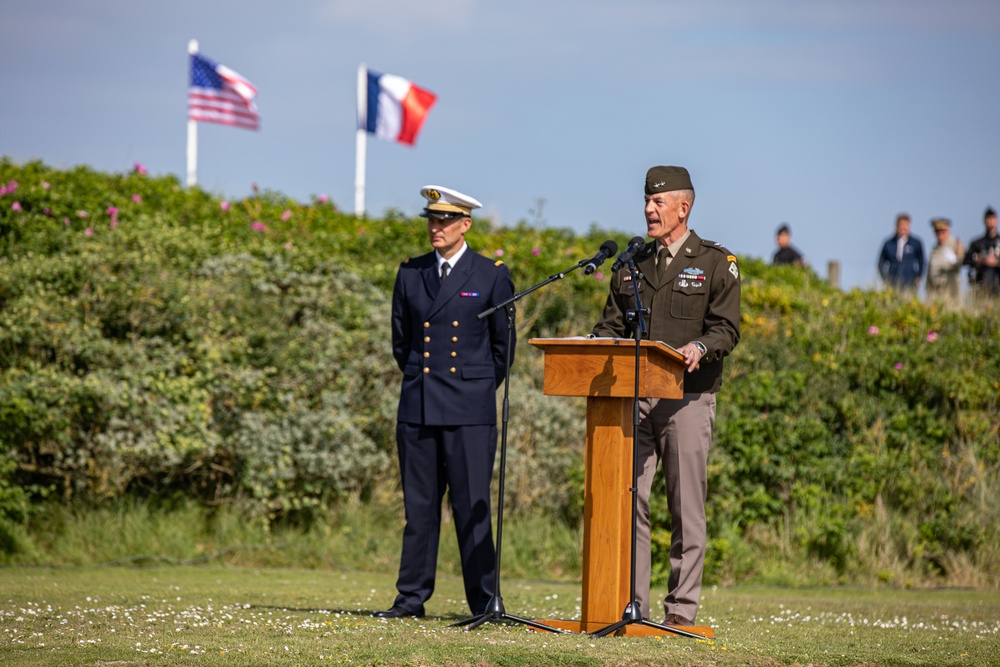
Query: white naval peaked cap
point(447, 203)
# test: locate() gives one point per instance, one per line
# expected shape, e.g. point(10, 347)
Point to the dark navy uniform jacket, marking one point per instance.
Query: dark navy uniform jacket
point(452, 361)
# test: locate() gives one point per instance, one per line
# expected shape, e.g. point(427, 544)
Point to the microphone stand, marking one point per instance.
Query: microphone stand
point(495, 610)
point(633, 610)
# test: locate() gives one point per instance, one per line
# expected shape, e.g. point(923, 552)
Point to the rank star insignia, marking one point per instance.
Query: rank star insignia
point(733, 270)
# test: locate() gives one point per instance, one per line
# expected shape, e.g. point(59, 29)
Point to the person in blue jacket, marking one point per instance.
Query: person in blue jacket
point(446, 434)
point(901, 262)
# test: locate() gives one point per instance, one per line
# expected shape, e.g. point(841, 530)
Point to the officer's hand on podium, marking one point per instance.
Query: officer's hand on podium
point(693, 352)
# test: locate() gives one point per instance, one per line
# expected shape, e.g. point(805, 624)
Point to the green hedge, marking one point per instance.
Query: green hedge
point(155, 341)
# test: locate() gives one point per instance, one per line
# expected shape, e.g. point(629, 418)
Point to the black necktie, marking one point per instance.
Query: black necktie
point(445, 266)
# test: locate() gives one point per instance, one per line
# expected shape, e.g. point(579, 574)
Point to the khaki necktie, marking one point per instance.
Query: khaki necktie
point(662, 262)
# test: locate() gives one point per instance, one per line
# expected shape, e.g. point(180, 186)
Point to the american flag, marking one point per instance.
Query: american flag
point(220, 95)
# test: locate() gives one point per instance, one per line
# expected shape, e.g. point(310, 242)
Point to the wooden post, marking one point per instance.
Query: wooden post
point(833, 273)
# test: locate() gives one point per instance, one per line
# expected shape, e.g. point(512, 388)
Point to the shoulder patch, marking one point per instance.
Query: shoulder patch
point(730, 258)
point(498, 262)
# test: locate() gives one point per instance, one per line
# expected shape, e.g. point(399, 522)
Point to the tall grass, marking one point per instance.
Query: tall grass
point(354, 537)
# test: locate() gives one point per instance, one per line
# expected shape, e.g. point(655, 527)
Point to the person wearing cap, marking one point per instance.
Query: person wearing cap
point(901, 261)
point(446, 435)
point(692, 288)
point(944, 265)
point(984, 258)
point(786, 252)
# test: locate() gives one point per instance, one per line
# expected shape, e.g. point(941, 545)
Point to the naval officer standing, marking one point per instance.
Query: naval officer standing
point(446, 434)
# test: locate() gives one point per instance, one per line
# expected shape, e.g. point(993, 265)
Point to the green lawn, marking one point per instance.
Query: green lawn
point(238, 616)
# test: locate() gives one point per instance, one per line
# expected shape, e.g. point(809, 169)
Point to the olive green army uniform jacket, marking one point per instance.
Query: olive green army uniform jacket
point(696, 299)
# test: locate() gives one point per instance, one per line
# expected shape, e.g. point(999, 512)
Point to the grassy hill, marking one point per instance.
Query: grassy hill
point(159, 343)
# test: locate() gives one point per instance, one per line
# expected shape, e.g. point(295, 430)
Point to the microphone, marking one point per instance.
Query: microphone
point(608, 248)
point(634, 246)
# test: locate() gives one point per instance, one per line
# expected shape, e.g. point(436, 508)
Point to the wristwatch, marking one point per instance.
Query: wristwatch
point(701, 348)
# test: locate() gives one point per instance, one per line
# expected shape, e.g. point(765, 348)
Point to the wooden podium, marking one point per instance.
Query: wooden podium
point(603, 370)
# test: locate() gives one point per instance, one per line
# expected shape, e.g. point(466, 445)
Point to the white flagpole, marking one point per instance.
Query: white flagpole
point(192, 137)
point(361, 143)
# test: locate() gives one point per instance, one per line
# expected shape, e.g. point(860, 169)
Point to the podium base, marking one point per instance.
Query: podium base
point(630, 630)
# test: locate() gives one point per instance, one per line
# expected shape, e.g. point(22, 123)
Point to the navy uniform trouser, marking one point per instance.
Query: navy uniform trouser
point(459, 458)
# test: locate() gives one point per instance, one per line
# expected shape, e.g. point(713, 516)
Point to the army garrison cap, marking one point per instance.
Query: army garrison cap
point(940, 224)
point(667, 179)
point(445, 203)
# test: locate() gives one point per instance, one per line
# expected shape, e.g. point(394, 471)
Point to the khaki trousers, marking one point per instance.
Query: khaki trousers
point(677, 432)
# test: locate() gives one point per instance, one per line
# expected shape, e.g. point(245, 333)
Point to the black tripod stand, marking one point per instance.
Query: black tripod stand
point(633, 610)
point(495, 610)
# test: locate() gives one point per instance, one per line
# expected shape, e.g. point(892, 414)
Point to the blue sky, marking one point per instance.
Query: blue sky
point(830, 115)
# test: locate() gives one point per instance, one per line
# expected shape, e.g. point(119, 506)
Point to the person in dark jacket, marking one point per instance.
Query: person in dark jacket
point(446, 435)
point(901, 261)
point(786, 252)
point(984, 258)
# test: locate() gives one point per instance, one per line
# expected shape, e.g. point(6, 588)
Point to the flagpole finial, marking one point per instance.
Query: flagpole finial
point(193, 46)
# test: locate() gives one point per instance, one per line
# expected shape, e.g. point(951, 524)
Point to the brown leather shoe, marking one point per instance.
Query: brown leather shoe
point(676, 619)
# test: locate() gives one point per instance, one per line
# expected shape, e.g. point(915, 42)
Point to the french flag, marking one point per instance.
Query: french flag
point(394, 108)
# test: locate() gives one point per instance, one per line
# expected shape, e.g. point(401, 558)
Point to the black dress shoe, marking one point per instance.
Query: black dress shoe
point(399, 612)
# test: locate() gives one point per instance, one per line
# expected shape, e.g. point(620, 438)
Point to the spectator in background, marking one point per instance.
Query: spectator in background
point(786, 252)
point(944, 264)
point(984, 258)
point(901, 262)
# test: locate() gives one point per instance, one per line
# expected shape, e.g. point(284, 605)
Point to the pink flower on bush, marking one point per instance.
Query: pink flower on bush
point(322, 199)
point(288, 245)
point(258, 226)
point(82, 214)
point(873, 330)
point(112, 211)
point(3, 190)
point(932, 336)
point(899, 365)
point(47, 211)
point(12, 186)
point(45, 185)
point(224, 205)
point(536, 251)
point(286, 215)
point(139, 168)
point(136, 199)
point(16, 206)
point(598, 276)
point(499, 252)
point(113, 223)
point(89, 231)
point(66, 221)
